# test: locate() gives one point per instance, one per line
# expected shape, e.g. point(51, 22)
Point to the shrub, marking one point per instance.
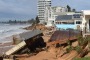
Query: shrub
point(78, 49)
point(68, 42)
point(80, 40)
point(70, 48)
point(88, 40)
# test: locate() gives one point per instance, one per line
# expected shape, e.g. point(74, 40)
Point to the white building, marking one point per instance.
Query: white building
point(42, 4)
point(52, 12)
point(86, 21)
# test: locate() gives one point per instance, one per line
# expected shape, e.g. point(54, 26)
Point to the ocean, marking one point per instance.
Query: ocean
point(7, 30)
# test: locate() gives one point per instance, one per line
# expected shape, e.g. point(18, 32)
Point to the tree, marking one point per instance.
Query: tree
point(10, 21)
point(73, 10)
point(15, 21)
point(31, 20)
point(69, 8)
point(37, 20)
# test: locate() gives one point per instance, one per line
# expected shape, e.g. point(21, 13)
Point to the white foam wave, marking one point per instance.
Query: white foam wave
point(9, 30)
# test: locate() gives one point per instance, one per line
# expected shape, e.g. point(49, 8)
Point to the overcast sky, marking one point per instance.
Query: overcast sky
point(27, 9)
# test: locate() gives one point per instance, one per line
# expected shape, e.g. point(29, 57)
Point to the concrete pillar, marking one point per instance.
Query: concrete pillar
point(83, 25)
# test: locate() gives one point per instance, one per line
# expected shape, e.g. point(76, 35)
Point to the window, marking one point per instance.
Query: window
point(67, 22)
point(57, 22)
point(76, 15)
point(78, 22)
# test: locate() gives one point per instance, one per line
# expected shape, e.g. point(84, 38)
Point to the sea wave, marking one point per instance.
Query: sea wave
point(9, 30)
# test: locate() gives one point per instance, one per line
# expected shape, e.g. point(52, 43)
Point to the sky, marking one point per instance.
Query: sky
point(27, 9)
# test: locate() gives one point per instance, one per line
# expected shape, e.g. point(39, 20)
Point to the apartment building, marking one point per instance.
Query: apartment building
point(42, 4)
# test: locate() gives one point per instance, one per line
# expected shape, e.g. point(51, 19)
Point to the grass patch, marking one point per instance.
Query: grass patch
point(85, 58)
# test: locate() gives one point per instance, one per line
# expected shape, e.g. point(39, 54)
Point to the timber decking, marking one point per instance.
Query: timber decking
point(62, 37)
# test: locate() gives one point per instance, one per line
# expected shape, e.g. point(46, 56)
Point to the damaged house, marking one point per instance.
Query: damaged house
point(23, 42)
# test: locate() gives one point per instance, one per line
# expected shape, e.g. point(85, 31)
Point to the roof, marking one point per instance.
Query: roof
point(29, 34)
point(69, 17)
point(63, 35)
point(64, 17)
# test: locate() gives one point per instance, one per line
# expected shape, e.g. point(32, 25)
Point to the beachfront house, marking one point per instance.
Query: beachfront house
point(68, 21)
point(53, 13)
point(86, 21)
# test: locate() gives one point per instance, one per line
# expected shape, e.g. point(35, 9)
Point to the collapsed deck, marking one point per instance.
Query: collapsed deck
point(62, 36)
point(18, 41)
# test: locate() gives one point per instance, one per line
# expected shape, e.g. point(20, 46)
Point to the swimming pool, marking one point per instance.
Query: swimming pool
point(66, 26)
